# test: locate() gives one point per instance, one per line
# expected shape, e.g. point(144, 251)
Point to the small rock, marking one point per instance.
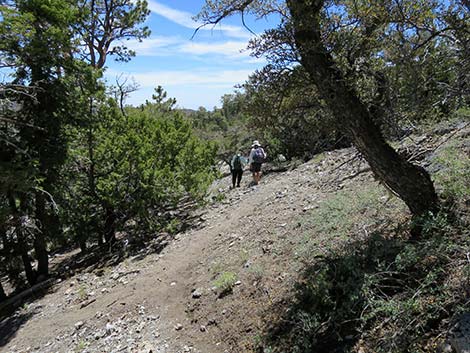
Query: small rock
point(202, 328)
point(237, 283)
point(110, 328)
point(445, 348)
point(178, 327)
point(78, 325)
point(197, 293)
point(115, 276)
point(173, 284)
point(99, 334)
point(140, 328)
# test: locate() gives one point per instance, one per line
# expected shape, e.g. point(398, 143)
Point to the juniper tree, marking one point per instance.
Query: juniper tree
point(36, 46)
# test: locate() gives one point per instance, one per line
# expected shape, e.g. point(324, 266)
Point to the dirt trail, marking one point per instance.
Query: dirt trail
point(169, 302)
point(147, 304)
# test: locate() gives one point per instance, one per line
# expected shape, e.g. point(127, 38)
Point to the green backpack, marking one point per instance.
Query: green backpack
point(237, 163)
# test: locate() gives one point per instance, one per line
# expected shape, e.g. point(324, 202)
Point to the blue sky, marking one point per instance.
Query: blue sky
point(197, 71)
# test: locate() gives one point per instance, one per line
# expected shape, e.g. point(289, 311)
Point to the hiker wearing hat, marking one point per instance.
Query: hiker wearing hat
point(257, 158)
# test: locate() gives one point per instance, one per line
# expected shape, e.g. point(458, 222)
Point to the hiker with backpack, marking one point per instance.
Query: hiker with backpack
point(257, 158)
point(236, 168)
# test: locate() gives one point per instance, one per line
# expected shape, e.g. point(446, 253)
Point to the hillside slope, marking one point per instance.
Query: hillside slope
point(216, 288)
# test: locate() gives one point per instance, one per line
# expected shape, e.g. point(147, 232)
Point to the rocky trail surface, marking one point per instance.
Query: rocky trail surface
point(208, 290)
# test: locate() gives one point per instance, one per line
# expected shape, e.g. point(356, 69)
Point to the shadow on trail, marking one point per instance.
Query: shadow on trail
point(130, 244)
point(69, 261)
point(360, 290)
point(11, 324)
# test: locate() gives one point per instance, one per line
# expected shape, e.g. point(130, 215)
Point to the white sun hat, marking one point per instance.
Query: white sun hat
point(255, 143)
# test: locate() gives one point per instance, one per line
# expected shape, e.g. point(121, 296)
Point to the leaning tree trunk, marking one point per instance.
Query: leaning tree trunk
point(412, 183)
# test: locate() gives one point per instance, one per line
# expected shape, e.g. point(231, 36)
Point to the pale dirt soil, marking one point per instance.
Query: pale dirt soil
point(138, 305)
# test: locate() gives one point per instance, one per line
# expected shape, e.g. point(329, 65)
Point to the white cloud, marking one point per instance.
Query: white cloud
point(207, 78)
point(166, 46)
point(154, 46)
point(225, 49)
point(184, 19)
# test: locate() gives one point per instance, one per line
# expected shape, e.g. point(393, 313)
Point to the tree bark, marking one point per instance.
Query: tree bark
point(40, 238)
point(21, 247)
point(83, 246)
point(31, 275)
point(410, 182)
point(3, 296)
point(110, 225)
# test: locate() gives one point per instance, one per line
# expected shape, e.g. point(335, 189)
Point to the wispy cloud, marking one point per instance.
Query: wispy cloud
point(154, 46)
point(166, 46)
point(206, 78)
point(232, 49)
point(184, 19)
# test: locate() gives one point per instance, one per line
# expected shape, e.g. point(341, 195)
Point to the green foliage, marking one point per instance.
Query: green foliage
point(80, 346)
point(454, 171)
point(257, 271)
point(37, 40)
point(145, 163)
point(380, 293)
point(344, 214)
point(225, 282)
point(406, 62)
point(82, 293)
point(173, 226)
point(226, 126)
point(285, 111)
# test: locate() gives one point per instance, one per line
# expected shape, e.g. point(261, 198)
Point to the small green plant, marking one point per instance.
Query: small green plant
point(318, 158)
point(173, 226)
point(433, 223)
point(219, 197)
point(216, 268)
point(25, 307)
point(80, 346)
point(244, 256)
point(225, 282)
point(257, 271)
point(82, 293)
